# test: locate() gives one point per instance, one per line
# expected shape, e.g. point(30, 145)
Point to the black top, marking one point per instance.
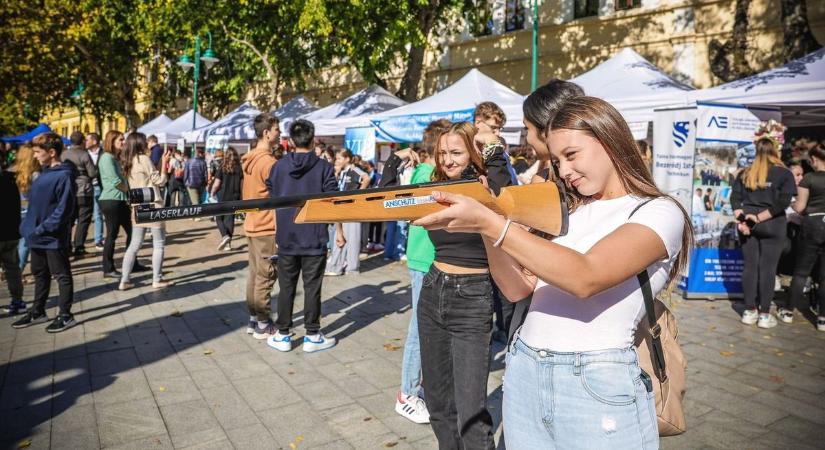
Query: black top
point(815, 183)
point(350, 179)
point(10, 196)
point(459, 249)
point(230, 188)
point(775, 197)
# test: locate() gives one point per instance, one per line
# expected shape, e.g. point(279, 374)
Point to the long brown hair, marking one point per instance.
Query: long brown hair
point(598, 119)
point(25, 166)
point(467, 132)
point(230, 160)
point(767, 155)
point(109, 142)
point(135, 145)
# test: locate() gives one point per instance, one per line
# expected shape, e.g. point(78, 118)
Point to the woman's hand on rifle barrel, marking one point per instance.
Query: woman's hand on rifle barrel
point(464, 215)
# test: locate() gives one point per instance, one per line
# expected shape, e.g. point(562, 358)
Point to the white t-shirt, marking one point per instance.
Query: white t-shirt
point(561, 322)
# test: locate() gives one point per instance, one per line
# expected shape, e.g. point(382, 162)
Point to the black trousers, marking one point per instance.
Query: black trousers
point(289, 268)
point(83, 214)
point(503, 310)
point(226, 225)
point(117, 215)
point(375, 231)
point(810, 246)
point(520, 310)
point(48, 263)
point(455, 323)
point(762, 250)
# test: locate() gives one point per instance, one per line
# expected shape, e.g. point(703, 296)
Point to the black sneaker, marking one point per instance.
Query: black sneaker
point(140, 268)
point(61, 323)
point(30, 319)
point(16, 307)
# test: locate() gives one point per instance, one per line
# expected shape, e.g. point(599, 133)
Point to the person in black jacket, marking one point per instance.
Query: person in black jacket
point(9, 240)
point(47, 229)
point(759, 198)
point(84, 206)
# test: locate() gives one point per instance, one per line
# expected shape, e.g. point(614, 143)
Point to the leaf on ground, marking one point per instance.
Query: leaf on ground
point(292, 445)
point(780, 354)
point(299, 438)
point(367, 419)
point(809, 354)
point(390, 444)
point(176, 313)
point(291, 372)
point(391, 347)
point(207, 352)
point(777, 379)
point(766, 337)
point(726, 354)
point(162, 389)
point(25, 444)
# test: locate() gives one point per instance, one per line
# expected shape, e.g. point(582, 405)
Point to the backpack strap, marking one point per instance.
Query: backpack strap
point(658, 354)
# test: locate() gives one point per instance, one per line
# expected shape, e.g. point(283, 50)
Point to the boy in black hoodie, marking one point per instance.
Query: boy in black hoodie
point(46, 228)
point(301, 248)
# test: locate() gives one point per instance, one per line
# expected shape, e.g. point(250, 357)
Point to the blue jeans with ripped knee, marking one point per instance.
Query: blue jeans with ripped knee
point(587, 400)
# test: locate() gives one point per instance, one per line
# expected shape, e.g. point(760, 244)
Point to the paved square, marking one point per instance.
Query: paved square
point(175, 368)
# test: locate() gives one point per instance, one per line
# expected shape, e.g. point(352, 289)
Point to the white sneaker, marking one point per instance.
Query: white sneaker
point(766, 321)
point(332, 274)
point(820, 323)
point(750, 316)
point(785, 315)
point(224, 242)
point(280, 342)
point(412, 407)
point(318, 342)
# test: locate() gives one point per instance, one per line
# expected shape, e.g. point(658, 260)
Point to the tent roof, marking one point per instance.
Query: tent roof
point(299, 105)
point(633, 85)
point(353, 111)
point(29, 135)
point(467, 92)
point(154, 125)
point(237, 124)
point(798, 86)
point(174, 130)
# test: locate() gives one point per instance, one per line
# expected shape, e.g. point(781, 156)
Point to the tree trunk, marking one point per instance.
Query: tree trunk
point(129, 111)
point(426, 18)
point(728, 61)
point(798, 40)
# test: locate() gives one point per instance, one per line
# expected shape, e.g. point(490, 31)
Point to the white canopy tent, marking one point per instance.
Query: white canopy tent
point(152, 126)
point(293, 109)
point(798, 88)
point(238, 125)
point(353, 111)
point(174, 130)
point(455, 102)
point(634, 86)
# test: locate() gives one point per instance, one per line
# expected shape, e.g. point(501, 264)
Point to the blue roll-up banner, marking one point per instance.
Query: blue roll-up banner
point(410, 128)
point(361, 141)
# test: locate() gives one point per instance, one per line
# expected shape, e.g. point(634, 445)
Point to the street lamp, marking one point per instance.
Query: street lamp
point(77, 96)
point(534, 6)
point(208, 58)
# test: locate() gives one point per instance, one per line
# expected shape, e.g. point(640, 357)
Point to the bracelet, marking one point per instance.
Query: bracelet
point(503, 233)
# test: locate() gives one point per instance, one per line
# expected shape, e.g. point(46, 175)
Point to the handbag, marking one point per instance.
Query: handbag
point(660, 354)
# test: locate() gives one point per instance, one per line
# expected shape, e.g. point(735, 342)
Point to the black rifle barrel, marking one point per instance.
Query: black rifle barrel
point(145, 213)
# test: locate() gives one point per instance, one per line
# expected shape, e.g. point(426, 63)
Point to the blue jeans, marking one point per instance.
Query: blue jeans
point(97, 215)
point(592, 400)
point(411, 364)
point(395, 241)
point(23, 252)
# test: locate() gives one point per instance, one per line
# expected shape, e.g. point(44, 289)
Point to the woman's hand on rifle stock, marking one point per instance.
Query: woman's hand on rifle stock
point(464, 214)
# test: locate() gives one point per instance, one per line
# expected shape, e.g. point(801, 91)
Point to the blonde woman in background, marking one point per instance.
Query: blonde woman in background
point(26, 169)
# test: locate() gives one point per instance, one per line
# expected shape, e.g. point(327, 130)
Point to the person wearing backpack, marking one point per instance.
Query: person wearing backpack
point(572, 372)
point(194, 176)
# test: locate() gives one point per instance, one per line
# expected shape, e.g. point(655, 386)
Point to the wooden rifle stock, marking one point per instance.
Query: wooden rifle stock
point(540, 205)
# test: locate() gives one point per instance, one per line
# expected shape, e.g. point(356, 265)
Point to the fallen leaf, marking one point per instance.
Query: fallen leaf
point(299, 438)
point(777, 379)
point(766, 337)
point(809, 354)
point(780, 354)
point(726, 354)
point(292, 445)
point(367, 419)
point(731, 345)
point(176, 313)
point(207, 352)
point(391, 347)
point(291, 372)
point(24, 444)
point(162, 389)
point(390, 444)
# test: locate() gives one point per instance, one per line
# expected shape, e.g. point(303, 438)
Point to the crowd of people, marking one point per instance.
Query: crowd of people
point(475, 276)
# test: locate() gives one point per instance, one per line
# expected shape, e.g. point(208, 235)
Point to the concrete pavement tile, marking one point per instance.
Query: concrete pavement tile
point(195, 360)
point(380, 405)
point(337, 445)
point(243, 365)
point(791, 377)
point(121, 387)
point(229, 407)
point(379, 372)
point(76, 428)
point(19, 396)
point(30, 369)
point(324, 395)
point(165, 368)
point(735, 387)
point(211, 440)
point(156, 352)
point(160, 442)
point(209, 378)
point(255, 437)
point(114, 340)
point(749, 409)
point(406, 428)
point(191, 423)
point(169, 391)
point(25, 351)
point(148, 336)
point(388, 440)
point(297, 422)
point(353, 422)
point(113, 361)
point(122, 423)
point(262, 394)
point(779, 402)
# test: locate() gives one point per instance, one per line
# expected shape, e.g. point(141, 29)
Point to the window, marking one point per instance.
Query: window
point(587, 8)
point(513, 16)
point(627, 4)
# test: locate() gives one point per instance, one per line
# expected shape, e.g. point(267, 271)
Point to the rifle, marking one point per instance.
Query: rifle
point(541, 206)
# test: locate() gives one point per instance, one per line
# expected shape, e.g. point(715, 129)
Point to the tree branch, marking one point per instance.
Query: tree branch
point(271, 73)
